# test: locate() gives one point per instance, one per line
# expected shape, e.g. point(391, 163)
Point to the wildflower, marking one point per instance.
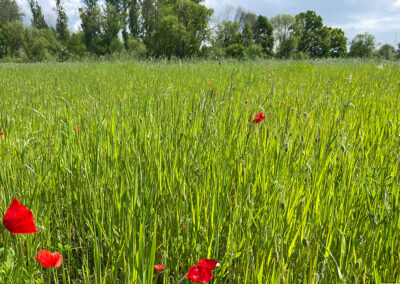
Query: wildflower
point(282, 103)
point(198, 273)
point(19, 219)
point(329, 80)
point(210, 264)
point(49, 259)
point(217, 94)
point(90, 101)
point(159, 267)
point(245, 102)
point(184, 67)
point(77, 128)
point(1, 133)
point(258, 117)
point(122, 98)
point(210, 83)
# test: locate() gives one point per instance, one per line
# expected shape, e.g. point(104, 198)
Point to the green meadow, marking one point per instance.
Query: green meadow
point(131, 164)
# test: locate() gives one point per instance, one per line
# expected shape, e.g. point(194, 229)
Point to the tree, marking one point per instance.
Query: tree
point(282, 24)
point(338, 43)
point(92, 21)
point(5, 43)
point(62, 23)
point(10, 12)
point(362, 46)
point(169, 36)
point(230, 40)
point(387, 52)
point(76, 46)
point(263, 34)
point(287, 47)
point(133, 18)
point(149, 16)
point(37, 15)
point(186, 17)
point(313, 37)
point(111, 27)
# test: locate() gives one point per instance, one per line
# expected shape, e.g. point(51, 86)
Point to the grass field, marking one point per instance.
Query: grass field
point(166, 167)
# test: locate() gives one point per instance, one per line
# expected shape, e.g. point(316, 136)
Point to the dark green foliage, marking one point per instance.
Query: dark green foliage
point(92, 21)
point(387, 52)
point(314, 38)
point(62, 23)
point(287, 47)
point(5, 42)
point(263, 34)
point(338, 43)
point(10, 12)
point(362, 46)
point(38, 20)
point(133, 18)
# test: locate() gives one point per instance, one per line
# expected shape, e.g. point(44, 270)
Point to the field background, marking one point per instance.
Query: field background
point(168, 168)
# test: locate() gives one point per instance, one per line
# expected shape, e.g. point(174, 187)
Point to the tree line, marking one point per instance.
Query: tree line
point(174, 29)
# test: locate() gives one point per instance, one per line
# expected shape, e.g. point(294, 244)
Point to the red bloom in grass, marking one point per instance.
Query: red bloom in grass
point(122, 98)
point(77, 128)
point(48, 259)
point(184, 67)
point(19, 219)
point(210, 83)
point(159, 267)
point(258, 117)
point(1, 133)
point(90, 101)
point(210, 264)
point(199, 273)
point(245, 102)
point(282, 103)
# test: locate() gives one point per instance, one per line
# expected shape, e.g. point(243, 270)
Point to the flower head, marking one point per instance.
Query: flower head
point(258, 117)
point(1, 133)
point(77, 128)
point(210, 264)
point(19, 219)
point(329, 80)
point(159, 267)
point(282, 103)
point(48, 259)
point(245, 102)
point(199, 273)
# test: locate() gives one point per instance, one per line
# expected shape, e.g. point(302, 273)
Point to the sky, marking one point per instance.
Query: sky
point(378, 17)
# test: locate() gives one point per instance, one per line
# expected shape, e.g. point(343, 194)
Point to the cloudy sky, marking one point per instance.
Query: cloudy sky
point(379, 17)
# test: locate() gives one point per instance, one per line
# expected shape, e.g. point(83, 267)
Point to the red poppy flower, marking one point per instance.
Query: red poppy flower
point(258, 117)
point(184, 67)
point(48, 259)
point(199, 273)
point(210, 82)
point(77, 128)
point(245, 102)
point(210, 264)
point(282, 103)
point(1, 133)
point(122, 98)
point(159, 267)
point(19, 219)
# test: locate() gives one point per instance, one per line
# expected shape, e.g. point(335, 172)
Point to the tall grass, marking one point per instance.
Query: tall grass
point(168, 168)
